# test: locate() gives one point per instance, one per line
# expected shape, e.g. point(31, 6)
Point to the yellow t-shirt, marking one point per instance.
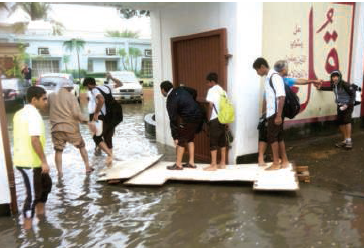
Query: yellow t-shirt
point(27, 122)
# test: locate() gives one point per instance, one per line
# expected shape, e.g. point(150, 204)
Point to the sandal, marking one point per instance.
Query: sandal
point(188, 165)
point(90, 170)
point(174, 167)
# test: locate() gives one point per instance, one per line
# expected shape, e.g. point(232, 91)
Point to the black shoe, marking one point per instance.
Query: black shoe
point(174, 167)
point(188, 165)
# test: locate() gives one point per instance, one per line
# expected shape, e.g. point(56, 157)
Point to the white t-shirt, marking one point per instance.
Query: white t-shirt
point(91, 102)
point(35, 120)
point(213, 96)
point(271, 98)
point(96, 92)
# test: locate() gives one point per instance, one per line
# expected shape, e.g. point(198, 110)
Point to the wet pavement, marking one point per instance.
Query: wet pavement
point(84, 213)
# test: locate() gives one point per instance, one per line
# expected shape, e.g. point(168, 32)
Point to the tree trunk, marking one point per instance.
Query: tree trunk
point(79, 70)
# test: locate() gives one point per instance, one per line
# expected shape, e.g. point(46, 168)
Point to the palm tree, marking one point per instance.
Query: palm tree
point(35, 11)
point(66, 60)
point(124, 58)
point(78, 45)
point(134, 54)
point(123, 34)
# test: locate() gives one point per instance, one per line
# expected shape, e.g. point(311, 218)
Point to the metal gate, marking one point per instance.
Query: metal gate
point(193, 57)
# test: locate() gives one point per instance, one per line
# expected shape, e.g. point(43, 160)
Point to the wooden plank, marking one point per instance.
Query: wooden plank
point(157, 175)
point(127, 169)
point(277, 180)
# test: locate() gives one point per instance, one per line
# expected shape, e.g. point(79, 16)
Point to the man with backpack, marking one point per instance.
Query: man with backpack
point(275, 98)
point(182, 106)
point(345, 99)
point(104, 111)
point(217, 130)
point(281, 66)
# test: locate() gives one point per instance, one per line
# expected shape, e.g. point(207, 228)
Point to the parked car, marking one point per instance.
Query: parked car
point(14, 92)
point(50, 82)
point(131, 89)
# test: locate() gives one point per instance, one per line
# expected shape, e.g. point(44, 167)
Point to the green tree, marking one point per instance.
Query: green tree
point(134, 54)
point(35, 11)
point(130, 59)
point(66, 60)
point(123, 34)
point(75, 45)
point(130, 13)
point(18, 62)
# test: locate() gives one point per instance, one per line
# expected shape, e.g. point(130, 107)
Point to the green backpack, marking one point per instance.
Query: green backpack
point(226, 114)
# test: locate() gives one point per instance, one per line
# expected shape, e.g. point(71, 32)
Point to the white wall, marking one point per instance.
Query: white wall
point(358, 51)
point(4, 183)
point(244, 34)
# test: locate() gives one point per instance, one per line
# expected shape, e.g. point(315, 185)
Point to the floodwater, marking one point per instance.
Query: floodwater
point(84, 213)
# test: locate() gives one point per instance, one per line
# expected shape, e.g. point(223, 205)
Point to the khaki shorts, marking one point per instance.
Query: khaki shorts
point(60, 139)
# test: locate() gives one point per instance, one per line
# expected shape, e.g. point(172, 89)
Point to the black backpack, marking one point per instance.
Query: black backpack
point(114, 111)
point(204, 120)
point(291, 103)
point(357, 93)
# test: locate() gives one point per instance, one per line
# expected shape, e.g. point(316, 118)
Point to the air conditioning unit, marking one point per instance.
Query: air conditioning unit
point(43, 51)
point(110, 51)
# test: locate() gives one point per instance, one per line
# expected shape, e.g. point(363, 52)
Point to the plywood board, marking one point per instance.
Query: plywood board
point(127, 169)
point(277, 180)
point(158, 174)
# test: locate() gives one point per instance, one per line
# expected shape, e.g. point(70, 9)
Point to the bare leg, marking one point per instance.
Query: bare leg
point(180, 151)
point(343, 131)
point(275, 151)
point(348, 131)
point(283, 154)
point(262, 147)
point(85, 159)
point(104, 147)
point(39, 208)
point(213, 165)
point(222, 164)
point(27, 223)
point(191, 151)
point(58, 160)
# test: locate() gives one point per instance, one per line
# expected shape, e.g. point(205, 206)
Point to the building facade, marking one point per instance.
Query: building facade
point(48, 54)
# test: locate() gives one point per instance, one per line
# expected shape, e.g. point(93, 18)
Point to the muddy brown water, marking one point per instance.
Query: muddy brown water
point(84, 213)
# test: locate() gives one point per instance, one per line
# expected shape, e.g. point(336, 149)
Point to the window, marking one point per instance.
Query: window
point(148, 53)
point(40, 67)
point(110, 51)
point(90, 66)
point(111, 65)
point(147, 68)
point(43, 51)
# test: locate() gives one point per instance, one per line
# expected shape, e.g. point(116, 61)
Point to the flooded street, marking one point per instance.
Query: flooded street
point(84, 213)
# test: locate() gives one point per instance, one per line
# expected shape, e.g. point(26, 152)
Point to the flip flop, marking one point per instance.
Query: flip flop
point(90, 170)
point(188, 165)
point(174, 167)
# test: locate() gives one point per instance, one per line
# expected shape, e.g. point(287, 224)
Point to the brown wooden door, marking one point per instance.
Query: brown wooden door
point(193, 57)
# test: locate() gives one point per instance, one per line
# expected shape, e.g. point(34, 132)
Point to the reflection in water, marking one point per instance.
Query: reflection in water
point(84, 213)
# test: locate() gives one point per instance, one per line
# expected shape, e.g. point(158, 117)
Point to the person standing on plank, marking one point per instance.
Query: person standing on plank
point(181, 104)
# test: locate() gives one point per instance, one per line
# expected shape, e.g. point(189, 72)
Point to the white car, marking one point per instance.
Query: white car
point(50, 82)
point(131, 89)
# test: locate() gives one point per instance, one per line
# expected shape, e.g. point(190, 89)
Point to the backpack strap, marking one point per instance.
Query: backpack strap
point(271, 85)
point(105, 95)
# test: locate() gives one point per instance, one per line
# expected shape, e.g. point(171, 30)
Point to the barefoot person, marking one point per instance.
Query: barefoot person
point(275, 96)
point(216, 129)
point(281, 66)
point(104, 141)
point(29, 157)
point(181, 104)
point(65, 116)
